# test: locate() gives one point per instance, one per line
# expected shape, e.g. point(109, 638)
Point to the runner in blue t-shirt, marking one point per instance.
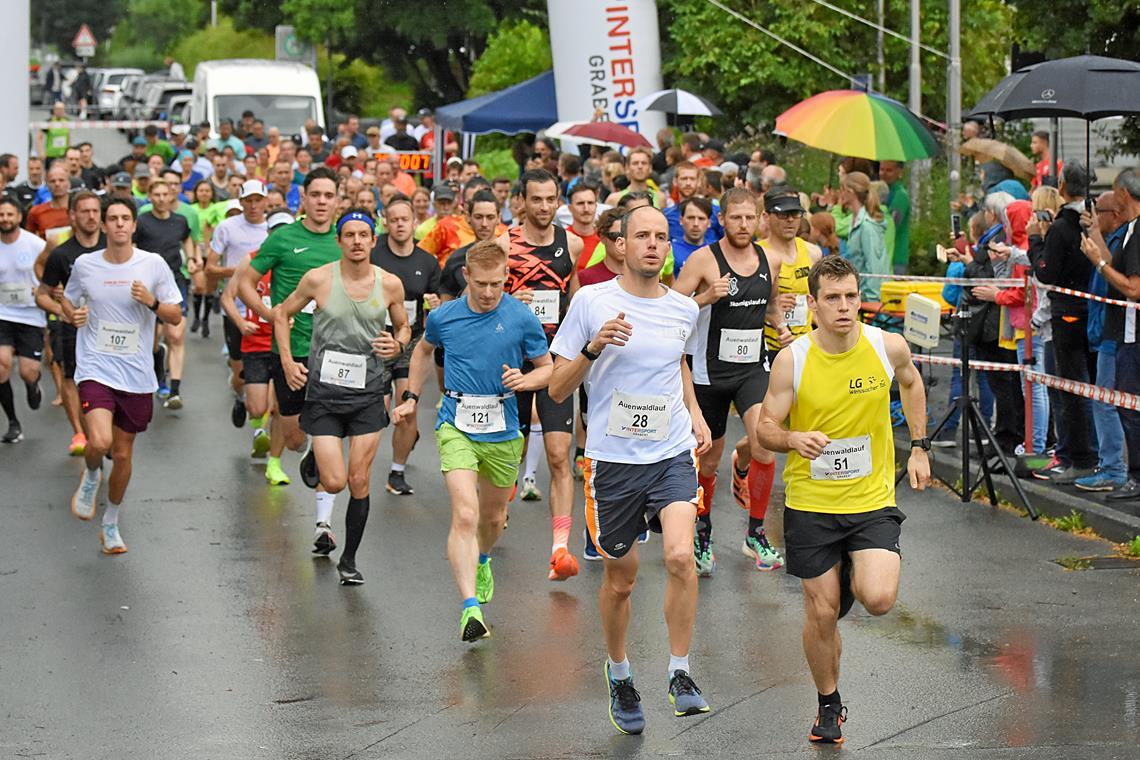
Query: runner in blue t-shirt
point(485, 336)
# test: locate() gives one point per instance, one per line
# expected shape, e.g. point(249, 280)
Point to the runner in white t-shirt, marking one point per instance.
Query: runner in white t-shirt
point(114, 298)
point(21, 321)
point(626, 339)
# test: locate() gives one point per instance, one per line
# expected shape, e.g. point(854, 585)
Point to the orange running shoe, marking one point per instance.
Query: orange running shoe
point(739, 484)
point(563, 565)
point(78, 445)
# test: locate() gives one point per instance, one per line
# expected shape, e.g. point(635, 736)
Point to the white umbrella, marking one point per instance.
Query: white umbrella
point(680, 102)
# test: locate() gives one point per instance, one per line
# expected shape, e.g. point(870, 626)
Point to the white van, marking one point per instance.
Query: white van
point(280, 93)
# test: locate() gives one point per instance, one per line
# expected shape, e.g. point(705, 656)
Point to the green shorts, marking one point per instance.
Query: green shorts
point(498, 462)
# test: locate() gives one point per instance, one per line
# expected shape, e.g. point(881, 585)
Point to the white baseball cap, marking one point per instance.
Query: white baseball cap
point(252, 187)
point(349, 151)
point(232, 205)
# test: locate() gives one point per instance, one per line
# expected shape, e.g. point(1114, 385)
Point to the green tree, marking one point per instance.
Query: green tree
point(55, 22)
point(222, 41)
point(513, 54)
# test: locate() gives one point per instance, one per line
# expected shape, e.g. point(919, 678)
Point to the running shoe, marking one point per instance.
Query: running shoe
point(206, 332)
point(197, 324)
point(762, 553)
point(15, 433)
point(260, 444)
point(484, 582)
point(685, 696)
point(237, 413)
point(644, 537)
point(579, 467)
point(625, 704)
point(530, 490)
point(702, 549)
point(324, 542)
point(174, 403)
point(563, 565)
point(1048, 471)
point(739, 484)
point(35, 395)
point(163, 390)
point(846, 594)
point(83, 501)
point(828, 725)
point(310, 476)
point(111, 540)
point(349, 575)
point(78, 445)
point(589, 551)
point(398, 485)
point(274, 474)
point(472, 627)
point(1100, 481)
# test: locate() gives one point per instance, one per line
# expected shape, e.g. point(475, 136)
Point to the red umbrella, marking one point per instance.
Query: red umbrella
point(608, 132)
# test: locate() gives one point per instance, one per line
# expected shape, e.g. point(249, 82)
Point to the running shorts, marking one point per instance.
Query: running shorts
point(715, 400)
point(815, 541)
point(257, 367)
point(319, 417)
point(497, 461)
point(622, 500)
point(184, 289)
point(26, 340)
point(397, 367)
point(131, 412)
point(289, 401)
point(63, 346)
point(233, 339)
point(555, 418)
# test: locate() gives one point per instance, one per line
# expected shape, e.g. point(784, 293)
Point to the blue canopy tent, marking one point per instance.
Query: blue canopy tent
point(528, 106)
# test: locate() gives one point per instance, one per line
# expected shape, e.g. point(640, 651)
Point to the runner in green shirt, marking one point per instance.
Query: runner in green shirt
point(160, 147)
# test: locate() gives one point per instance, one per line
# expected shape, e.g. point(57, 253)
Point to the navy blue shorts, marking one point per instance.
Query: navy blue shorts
point(622, 500)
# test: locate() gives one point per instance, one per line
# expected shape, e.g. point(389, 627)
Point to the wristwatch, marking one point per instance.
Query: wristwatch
point(1100, 265)
point(921, 443)
point(155, 305)
point(409, 395)
point(586, 352)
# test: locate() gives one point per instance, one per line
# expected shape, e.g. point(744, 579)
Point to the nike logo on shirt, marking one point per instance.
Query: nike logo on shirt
point(300, 250)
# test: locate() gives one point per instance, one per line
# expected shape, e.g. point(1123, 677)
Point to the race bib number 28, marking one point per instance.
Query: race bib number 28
point(643, 418)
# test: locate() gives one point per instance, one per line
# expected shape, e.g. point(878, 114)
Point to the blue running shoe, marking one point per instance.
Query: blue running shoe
point(685, 696)
point(163, 391)
point(644, 537)
point(625, 704)
point(589, 551)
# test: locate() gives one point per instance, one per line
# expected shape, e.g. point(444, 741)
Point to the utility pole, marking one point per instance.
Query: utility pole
point(214, 13)
point(881, 59)
point(954, 96)
point(922, 169)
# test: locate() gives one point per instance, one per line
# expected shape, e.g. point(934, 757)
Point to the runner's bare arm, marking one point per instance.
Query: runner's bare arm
point(170, 313)
point(912, 393)
point(419, 369)
point(46, 300)
point(229, 304)
point(776, 408)
point(390, 345)
point(214, 266)
point(700, 427)
point(774, 315)
point(536, 379)
point(247, 291)
point(41, 260)
point(698, 278)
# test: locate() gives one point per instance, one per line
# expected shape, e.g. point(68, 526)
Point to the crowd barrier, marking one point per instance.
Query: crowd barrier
point(96, 124)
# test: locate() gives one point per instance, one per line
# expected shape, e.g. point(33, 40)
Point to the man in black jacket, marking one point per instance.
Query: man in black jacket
point(1058, 260)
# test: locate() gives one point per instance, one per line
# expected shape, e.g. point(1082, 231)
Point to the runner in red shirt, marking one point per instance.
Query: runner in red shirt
point(609, 224)
point(583, 210)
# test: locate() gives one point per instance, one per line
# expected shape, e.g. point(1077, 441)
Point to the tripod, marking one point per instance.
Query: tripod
point(974, 427)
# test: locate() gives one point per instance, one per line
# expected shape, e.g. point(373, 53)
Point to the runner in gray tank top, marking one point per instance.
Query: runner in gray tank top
point(345, 396)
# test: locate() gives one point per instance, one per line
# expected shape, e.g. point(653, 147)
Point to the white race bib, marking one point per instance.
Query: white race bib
point(797, 316)
point(410, 307)
point(345, 370)
point(644, 418)
point(117, 338)
point(268, 303)
point(310, 307)
point(16, 294)
point(843, 459)
point(544, 304)
point(741, 346)
point(480, 414)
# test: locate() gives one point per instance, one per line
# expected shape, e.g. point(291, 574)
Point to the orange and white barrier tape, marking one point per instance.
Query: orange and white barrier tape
point(1090, 296)
point(946, 361)
point(96, 124)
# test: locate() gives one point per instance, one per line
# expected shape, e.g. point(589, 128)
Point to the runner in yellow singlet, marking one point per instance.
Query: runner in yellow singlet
point(828, 407)
point(783, 212)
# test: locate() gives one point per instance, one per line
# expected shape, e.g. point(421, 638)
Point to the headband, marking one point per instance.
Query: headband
point(355, 216)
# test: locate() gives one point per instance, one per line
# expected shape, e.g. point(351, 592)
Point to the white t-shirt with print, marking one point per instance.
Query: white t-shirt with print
point(234, 238)
point(115, 346)
point(647, 368)
point(18, 281)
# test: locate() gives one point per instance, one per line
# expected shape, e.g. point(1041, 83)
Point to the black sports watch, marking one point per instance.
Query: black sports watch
point(155, 306)
point(409, 395)
point(921, 443)
point(586, 352)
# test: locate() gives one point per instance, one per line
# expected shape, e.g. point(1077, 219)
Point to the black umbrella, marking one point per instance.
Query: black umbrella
point(676, 101)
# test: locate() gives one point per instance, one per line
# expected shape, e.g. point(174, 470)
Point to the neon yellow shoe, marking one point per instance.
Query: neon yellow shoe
point(260, 444)
point(472, 627)
point(484, 582)
point(273, 472)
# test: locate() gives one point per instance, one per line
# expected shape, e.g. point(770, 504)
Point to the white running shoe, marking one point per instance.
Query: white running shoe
point(83, 501)
point(112, 540)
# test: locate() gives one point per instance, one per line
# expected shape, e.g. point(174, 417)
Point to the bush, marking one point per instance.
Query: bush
point(222, 41)
point(513, 54)
point(496, 163)
point(360, 88)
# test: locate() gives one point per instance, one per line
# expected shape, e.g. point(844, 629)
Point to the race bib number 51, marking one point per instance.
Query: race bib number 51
point(843, 459)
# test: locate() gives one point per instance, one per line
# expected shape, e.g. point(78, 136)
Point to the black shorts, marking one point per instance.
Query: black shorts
point(26, 340)
point(622, 500)
point(289, 401)
point(257, 367)
point(397, 368)
point(555, 418)
point(715, 400)
point(583, 403)
point(63, 346)
point(233, 339)
point(184, 289)
point(815, 541)
point(340, 420)
point(438, 353)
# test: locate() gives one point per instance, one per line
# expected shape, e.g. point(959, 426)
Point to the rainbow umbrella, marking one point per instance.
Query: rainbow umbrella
point(858, 124)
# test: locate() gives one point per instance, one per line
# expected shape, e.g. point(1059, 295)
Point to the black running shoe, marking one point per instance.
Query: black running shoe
point(324, 542)
point(197, 323)
point(237, 413)
point(349, 575)
point(828, 727)
point(309, 474)
point(15, 433)
point(35, 395)
point(846, 595)
point(206, 330)
point(397, 484)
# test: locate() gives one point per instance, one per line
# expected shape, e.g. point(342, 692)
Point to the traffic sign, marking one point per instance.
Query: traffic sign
point(84, 42)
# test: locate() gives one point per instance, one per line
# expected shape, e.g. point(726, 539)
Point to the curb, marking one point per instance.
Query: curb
point(1111, 523)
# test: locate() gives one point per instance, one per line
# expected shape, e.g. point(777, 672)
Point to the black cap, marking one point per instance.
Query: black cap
point(780, 200)
point(714, 144)
point(443, 192)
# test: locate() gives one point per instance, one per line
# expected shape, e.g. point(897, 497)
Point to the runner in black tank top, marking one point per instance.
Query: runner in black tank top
point(543, 269)
point(735, 283)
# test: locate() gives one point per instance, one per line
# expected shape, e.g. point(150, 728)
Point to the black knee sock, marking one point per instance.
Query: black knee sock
point(355, 520)
point(209, 307)
point(7, 402)
point(175, 386)
point(197, 306)
point(829, 699)
point(160, 365)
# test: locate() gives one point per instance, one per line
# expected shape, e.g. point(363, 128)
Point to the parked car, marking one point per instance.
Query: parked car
point(133, 95)
point(156, 104)
point(108, 90)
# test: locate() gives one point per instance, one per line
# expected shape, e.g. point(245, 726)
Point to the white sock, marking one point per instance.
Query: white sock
point(619, 671)
point(533, 452)
point(678, 663)
point(93, 475)
point(325, 507)
point(397, 467)
point(111, 514)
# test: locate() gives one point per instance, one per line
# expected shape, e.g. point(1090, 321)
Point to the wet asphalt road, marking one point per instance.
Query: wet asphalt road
point(219, 636)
